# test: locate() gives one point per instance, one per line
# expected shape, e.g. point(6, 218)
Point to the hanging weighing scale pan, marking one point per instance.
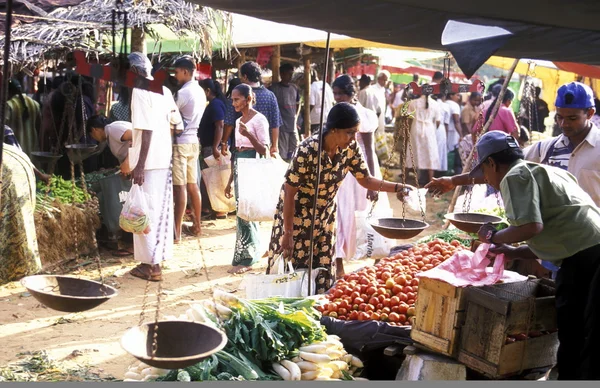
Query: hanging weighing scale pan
point(45, 156)
point(471, 222)
point(66, 293)
point(179, 343)
point(398, 228)
point(80, 152)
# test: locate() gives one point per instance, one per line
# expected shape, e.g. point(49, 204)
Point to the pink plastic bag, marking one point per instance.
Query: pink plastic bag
point(466, 268)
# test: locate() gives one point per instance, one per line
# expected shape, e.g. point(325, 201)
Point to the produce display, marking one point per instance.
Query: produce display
point(62, 190)
point(269, 339)
point(447, 235)
point(387, 291)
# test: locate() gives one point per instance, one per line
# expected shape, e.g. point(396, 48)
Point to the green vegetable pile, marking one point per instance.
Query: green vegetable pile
point(62, 190)
point(448, 236)
point(260, 332)
point(498, 212)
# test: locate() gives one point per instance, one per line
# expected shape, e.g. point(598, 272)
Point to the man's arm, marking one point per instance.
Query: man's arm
point(456, 119)
point(138, 171)
point(218, 138)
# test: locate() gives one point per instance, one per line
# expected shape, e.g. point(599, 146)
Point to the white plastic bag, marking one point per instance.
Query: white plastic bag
point(284, 281)
point(135, 217)
point(369, 243)
point(259, 185)
point(215, 179)
point(412, 199)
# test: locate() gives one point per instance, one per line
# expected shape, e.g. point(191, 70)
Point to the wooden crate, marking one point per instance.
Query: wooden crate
point(439, 315)
point(493, 312)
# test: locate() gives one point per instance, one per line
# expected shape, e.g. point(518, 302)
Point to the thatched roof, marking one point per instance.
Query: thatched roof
point(87, 26)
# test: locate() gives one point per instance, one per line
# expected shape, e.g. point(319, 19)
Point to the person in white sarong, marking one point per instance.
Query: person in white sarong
point(441, 134)
point(427, 117)
point(351, 196)
point(153, 117)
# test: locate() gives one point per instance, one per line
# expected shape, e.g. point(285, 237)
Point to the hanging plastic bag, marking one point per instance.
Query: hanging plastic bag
point(381, 146)
point(416, 199)
point(259, 186)
point(215, 179)
point(466, 268)
point(369, 243)
point(134, 217)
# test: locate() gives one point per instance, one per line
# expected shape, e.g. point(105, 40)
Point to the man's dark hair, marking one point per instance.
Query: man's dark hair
point(474, 95)
point(538, 91)
point(365, 79)
point(286, 67)
point(98, 121)
point(508, 156)
point(252, 71)
point(437, 75)
point(186, 63)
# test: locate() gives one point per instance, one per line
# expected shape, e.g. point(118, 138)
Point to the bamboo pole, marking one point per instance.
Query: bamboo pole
point(275, 62)
point(307, 82)
point(485, 128)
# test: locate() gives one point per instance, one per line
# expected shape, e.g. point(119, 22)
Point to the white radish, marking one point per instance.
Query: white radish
point(336, 374)
point(326, 372)
point(306, 366)
point(294, 369)
point(357, 362)
point(131, 380)
point(281, 371)
point(296, 359)
point(146, 372)
point(133, 375)
point(323, 378)
point(334, 354)
point(347, 358)
point(338, 365)
point(318, 349)
point(310, 375)
point(334, 337)
point(316, 358)
point(159, 371)
point(150, 377)
point(360, 379)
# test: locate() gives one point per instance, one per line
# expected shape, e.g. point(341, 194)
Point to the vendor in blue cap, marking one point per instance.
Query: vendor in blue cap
point(559, 222)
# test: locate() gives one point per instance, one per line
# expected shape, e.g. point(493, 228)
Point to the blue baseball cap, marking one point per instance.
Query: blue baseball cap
point(575, 95)
point(490, 143)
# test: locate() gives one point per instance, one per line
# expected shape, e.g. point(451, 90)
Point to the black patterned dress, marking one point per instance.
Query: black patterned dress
point(302, 174)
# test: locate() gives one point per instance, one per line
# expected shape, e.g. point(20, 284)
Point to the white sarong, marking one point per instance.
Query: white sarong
point(156, 246)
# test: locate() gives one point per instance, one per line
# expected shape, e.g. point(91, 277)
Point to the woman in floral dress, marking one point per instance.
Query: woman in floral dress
point(341, 155)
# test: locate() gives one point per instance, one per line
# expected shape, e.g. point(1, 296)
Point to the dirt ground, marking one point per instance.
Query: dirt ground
point(92, 338)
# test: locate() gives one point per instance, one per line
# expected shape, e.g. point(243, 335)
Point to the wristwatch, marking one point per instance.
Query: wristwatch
point(490, 235)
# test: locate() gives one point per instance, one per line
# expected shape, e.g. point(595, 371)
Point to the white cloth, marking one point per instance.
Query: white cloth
point(191, 101)
point(381, 94)
point(440, 136)
point(114, 133)
point(148, 248)
point(422, 133)
point(453, 135)
point(583, 162)
point(351, 196)
point(398, 99)
point(368, 99)
point(153, 112)
point(316, 89)
point(258, 125)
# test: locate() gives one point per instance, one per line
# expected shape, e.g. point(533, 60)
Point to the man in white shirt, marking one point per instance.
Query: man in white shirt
point(454, 127)
point(191, 102)
point(118, 134)
point(316, 92)
point(382, 91)
point(366, 95)
point(153, 116)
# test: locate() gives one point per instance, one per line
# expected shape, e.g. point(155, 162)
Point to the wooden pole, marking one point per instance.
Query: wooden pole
point(307, 82)
point(275, 63)
point(485, 128)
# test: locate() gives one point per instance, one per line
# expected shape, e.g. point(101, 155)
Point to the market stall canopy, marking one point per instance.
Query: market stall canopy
point(252, 32)
point(551, 30)
point(552, 74)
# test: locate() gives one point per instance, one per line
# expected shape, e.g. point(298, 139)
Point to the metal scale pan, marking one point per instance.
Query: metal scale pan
point(398, 228)
point(66, 293)
point(472, 222)
point(80, 152)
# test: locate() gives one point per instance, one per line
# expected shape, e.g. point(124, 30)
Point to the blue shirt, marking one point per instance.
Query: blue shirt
point(215, 111)
point(266, 103)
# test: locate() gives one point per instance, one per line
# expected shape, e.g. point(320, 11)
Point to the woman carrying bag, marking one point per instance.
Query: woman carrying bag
point(341, 155)
point(251, 138)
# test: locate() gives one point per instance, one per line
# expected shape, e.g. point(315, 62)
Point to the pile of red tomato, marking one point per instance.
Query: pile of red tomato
point(387, 291)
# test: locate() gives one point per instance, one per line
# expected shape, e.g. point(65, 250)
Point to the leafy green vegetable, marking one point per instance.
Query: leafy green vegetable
point(447, 235)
